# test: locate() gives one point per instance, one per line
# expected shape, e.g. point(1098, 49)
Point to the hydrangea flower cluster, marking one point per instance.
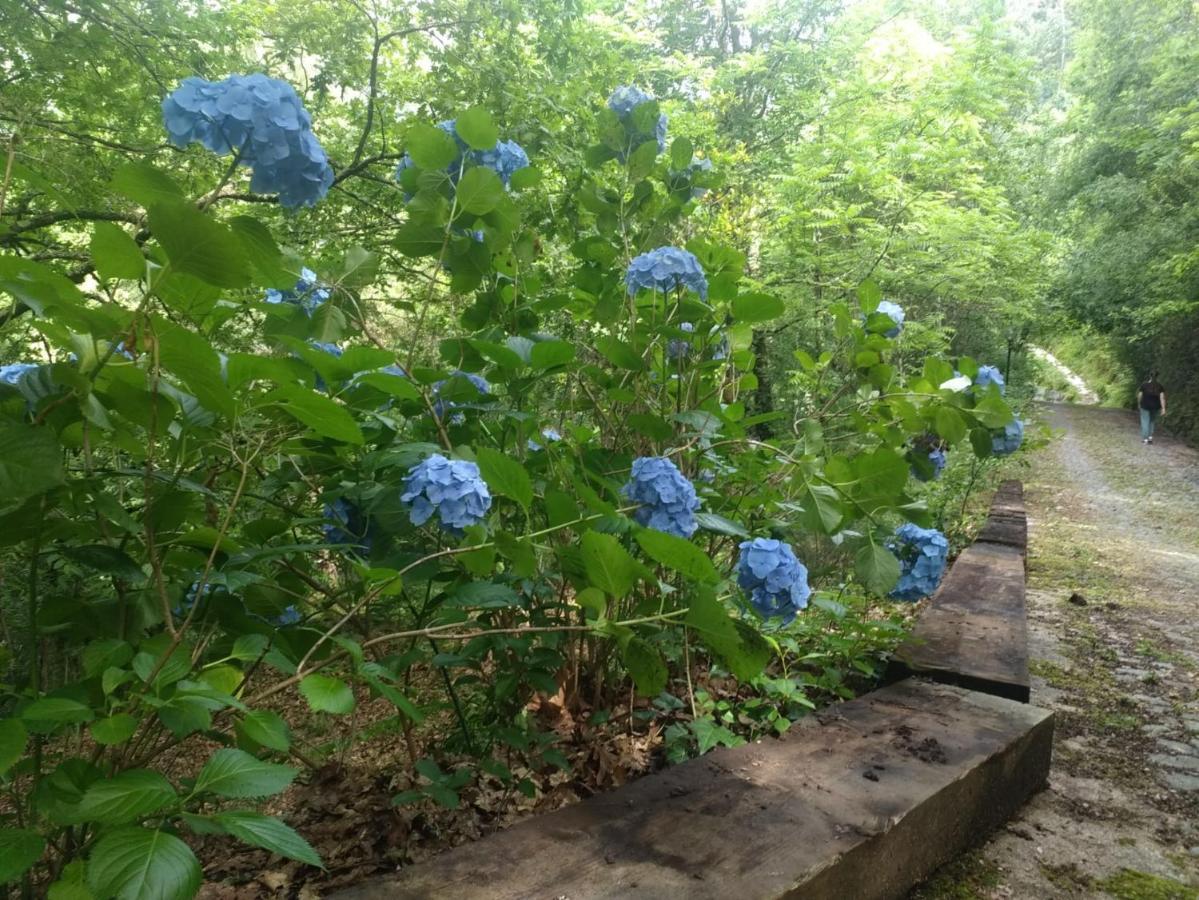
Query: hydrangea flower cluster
point(451, 488)
point(550, 434)
point(678, 349)
point(939, 459)
point(12, 373)
point(345, 524)
point(263, 121)
point(777, 582)
point(440, 407)
point(289, 616)
point(308, 293)
point(895, 313)
point(627, 98)
point(1008, 440)
point(990, 375)
point(506, 158)
point(667, 498)
point(923, 554)
point(664, 270)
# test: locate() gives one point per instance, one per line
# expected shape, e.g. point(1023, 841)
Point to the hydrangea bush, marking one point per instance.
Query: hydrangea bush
point(357, 479)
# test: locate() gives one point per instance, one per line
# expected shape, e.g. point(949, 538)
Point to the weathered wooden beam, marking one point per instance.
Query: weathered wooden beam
point(861, 801)
point(1008, 521)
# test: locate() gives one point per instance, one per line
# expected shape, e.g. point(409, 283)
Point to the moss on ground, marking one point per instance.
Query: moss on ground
point(1129, 884)
point(969, 877)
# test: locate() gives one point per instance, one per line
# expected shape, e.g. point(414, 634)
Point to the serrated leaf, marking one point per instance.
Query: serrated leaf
point(318, 412)
point(678, 554)
point(144, 184)
point(115, 253)
point(326, 694)
point(720, 525)
point(608, 565)
point(115, 729)
point(476, 128)
point(743, 651)
point(479, 190)
point(505, 476)
point(646, 666)
point(126, 797)
point(198, 245)
point(877, 568)
point(268, 833)
point(267, 728)
point(430, 147)
point(46, 714)
point(19, 850)
point(140, 864)
point(235, 773)
point(13, 738)
point(30, 463)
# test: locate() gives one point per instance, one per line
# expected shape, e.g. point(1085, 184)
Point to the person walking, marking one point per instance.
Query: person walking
point(1151, 398)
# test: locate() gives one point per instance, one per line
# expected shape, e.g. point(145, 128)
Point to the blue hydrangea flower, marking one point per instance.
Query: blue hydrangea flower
point(939, 459)
point(550, 435)
point(707, 476)
point(777, 582)
point(664, 270)
point(346, 524)
point(440, 407)
point(895, 313)
point(308, 293)
point(124, 351)
point(332, 350)
point(627, 98)
point(264, 122)
point(698, 166)
point(452, 489)
point(289, 616)
point(1008, 440)
point(505, 158)
point(12, 373)
point(722, 348)
point(931, 448)
point(678, 349)
point(923, 554)
point(990, 375)
point(667, 498)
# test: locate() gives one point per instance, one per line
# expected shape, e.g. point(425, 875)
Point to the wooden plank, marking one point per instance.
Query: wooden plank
point(974, 632)
point(861, 801)
point(1008, 521)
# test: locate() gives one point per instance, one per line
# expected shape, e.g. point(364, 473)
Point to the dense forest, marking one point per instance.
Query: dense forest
point(457, 394)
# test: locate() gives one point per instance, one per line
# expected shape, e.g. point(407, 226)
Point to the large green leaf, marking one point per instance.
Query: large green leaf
point(476, 128)
point(13, 738)
point(757, 307)
point(264, 255)
point(877, 568)
point(326, 694)
point(199, 245)
point(267, 728)
point(678, 554)
point(505, 476)
point(318, 412)
point(144, 184)
point(430, 147)
point(19, 850)
point(48, 713)
point(235, 773)
point(140, 864)
point(608, 565)
point(822, 507)
point(115, 253)
point(646, 665)
point(126, 797)
point(744, 652)
point(30, 463)
point(479, 190)
point(115, 729)
point(268, 833)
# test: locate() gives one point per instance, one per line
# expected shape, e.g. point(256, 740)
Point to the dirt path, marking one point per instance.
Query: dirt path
point(1114, 624)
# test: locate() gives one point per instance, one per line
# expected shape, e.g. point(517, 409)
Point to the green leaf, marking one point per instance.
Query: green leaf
point(105, 653)
point(869, 296)
point(198, 245)
point(325, 694)
point(479, 190)
point(877, 568)
point(263, 253)
point(608, 565)
point(681, 152)
point(678, 554)
point(641, 160)
point(235, 773)
point(430, 147)
point(742, 649)
point(318, 412)
point(523, 179)
point(13, 738)
point(48, 713)
point(105, 559)
point(418, 239)
point(547, 354)
point(647, 667)
point(19, 850)
point(268, 833)
point(720, 525)
point(126, 797)
point(144, 184)
point(949, 424)
point(619, 353)
point(756, 307)
point(140, 864)
point(476, 128)
point(114, 730)
point(395, 385)
point(115, 253)
point(822, 507)
point(30, 463)
point(505, 476)
point(71, 884)
point(360, 268)
point(267, 728)
point(185, 715)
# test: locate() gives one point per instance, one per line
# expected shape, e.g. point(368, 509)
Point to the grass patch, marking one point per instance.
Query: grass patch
point(1129, 884)
point(969, 877)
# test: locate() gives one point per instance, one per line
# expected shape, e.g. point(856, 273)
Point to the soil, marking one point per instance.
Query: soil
point(1114, 629)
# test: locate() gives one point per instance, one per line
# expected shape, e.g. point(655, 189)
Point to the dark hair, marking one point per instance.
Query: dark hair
point(1153, 375)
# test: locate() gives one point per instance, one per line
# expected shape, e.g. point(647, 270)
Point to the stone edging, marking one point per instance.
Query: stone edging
point(859, 801)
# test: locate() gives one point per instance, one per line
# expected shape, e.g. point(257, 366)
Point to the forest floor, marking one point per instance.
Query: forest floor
point(1113, 599)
